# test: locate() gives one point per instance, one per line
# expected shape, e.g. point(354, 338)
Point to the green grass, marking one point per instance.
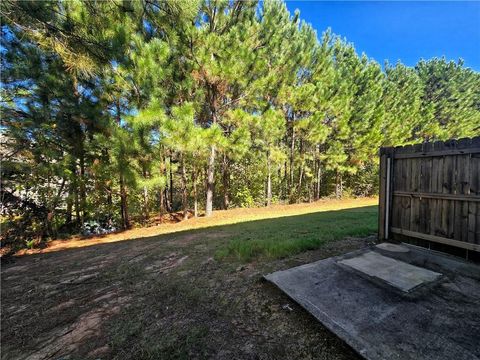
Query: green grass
point(280, 237)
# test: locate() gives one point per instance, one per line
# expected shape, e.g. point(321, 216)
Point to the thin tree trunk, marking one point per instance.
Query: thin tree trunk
point(319, 180)
point(341, 186)
point(124, 203)
point(269, 180)
point(184, 188)
point(311, 189)
point(162, 197)
point(168, 205)
point(167, 191)
point(108, 188)
point(292, 157)
point(338, 185)
point(83, 193)
point(77, 201)
point(162, 204)
point(146, 213)
point(226, 182)
point(68, 212)
point(171, 183)
point(211, 160)
point(195, 200)
point(311, 185)
point(210, 182)
point(145, 204)
point(300, 178)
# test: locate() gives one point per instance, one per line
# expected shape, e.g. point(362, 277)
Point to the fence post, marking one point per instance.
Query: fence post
point(384, 195)
point(381, 197)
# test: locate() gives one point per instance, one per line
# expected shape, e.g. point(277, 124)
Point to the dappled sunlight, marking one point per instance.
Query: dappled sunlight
point(220, 217)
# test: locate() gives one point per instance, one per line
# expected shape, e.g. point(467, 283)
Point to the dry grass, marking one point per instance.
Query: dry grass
point(219, 217)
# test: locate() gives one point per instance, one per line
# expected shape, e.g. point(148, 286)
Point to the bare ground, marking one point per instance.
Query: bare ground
point(164, 297)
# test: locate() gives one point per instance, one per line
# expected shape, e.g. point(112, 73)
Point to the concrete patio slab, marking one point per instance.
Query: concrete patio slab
point(392, 247)
point(397, 273)
point(438, 320)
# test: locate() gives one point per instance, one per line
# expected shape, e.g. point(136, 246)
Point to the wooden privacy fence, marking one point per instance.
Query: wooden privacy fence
point(431, 193)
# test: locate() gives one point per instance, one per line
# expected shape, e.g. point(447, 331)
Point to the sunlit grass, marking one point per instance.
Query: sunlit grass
point(276, 238)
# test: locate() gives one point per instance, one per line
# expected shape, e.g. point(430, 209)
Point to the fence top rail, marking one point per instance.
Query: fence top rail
point(437, 148)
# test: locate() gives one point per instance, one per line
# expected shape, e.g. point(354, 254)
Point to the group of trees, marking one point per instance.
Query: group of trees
point(114, 110)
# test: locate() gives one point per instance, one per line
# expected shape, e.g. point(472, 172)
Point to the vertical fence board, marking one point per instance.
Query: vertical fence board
point(474, 209)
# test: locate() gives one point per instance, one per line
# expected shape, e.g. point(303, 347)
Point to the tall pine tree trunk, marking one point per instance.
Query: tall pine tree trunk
point(168, 205)
point(211, 164)
point(124, 203)
point(213, 95)
point(68, 211)
point(195, 200)
point(225, 181)
point(77, 206)
point(311, 189)
point(108, 188)
point(123, 190)
point(292, 158)
point(300, 180)
point(319, 180)
point(184, 188)
point(83, 192)
point(146, 213)
point(269, 180)
point(162, 198)
point(210, 182)
point(171, 184)
point(145, 204)
point(70, 197)
point(162, 203)
point(338, 185)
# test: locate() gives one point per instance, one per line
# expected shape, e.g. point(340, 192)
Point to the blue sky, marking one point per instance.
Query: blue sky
point(391, 30)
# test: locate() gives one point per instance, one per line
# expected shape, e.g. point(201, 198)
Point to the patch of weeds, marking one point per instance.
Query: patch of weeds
point(130, 339)
point(190, 293)
point(183, 346)
point(126, 272)
point(124, 330)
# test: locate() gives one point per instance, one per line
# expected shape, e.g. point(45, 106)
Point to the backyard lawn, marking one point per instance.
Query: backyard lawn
point(177, 291)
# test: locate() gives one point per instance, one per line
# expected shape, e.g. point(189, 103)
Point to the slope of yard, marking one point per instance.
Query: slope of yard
point(195, 291)
point(229, 217)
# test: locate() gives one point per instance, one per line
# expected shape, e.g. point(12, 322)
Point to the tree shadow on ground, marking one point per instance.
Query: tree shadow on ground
point(180, 295)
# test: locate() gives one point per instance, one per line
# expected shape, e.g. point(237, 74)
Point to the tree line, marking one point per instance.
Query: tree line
point(117, 110)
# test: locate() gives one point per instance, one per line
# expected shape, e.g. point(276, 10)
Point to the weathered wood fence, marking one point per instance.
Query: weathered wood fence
point(430, 193)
